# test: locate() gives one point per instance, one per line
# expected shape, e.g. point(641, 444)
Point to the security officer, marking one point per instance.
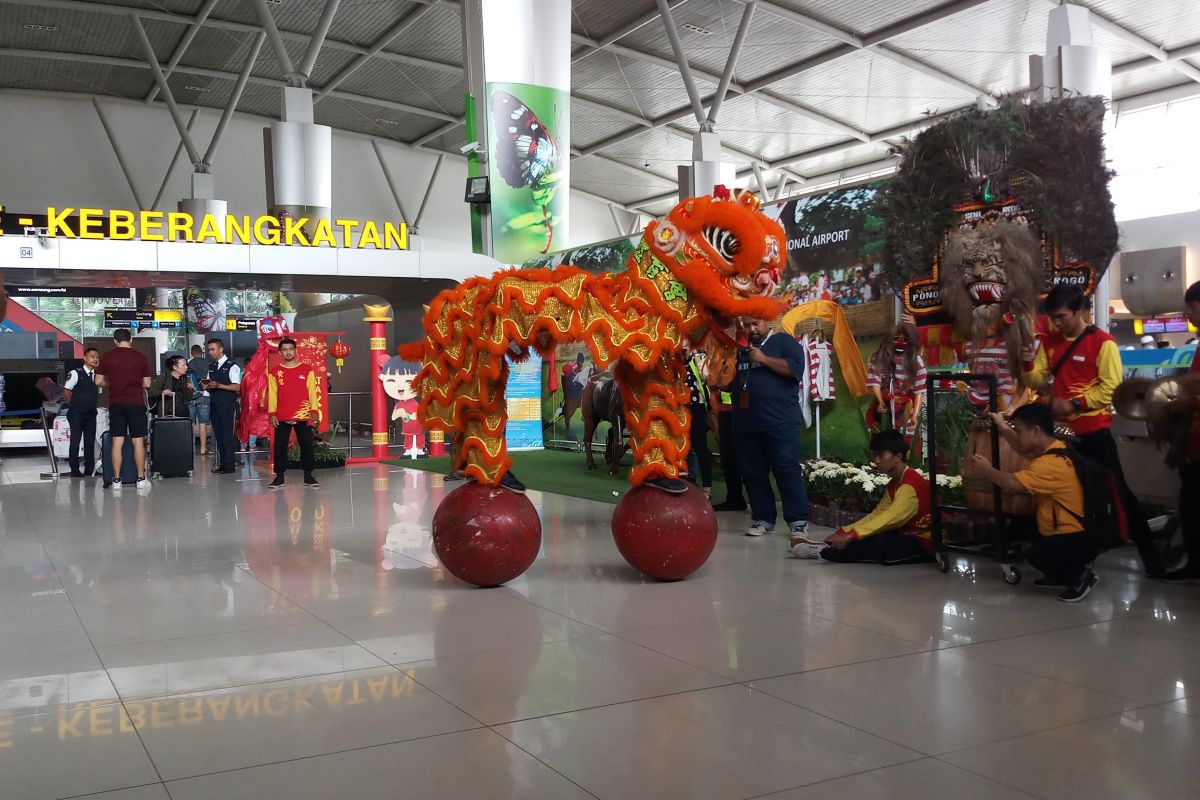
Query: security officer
point(223, 385)
point(83, 396)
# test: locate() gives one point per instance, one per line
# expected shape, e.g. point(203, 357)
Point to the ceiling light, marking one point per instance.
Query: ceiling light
point(696, 29)
point(275, 2)
point(383, 121)
point(198, 88)
point(29, 26)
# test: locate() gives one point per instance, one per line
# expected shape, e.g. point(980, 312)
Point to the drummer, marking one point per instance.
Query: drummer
point(1189, 470)
point(1077, 368)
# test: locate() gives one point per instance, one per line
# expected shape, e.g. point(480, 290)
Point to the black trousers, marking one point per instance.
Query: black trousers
point(222, 414)
point(1064, 557)
point(83, 424)
point(730, 464)
point(1102, 447)
point(283, 436)
point(699, 457)
point(885, 547)
point(1189, 511)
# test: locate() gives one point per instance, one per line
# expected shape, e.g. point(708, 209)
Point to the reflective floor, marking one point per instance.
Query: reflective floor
point(215, 640)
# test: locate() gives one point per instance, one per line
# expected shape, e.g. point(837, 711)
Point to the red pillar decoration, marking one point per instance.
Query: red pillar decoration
point(378, 317)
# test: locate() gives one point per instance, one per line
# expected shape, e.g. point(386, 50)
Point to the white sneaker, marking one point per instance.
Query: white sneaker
point(116, 487)
point(759, 529)
point(806, 549)
point(143, 485)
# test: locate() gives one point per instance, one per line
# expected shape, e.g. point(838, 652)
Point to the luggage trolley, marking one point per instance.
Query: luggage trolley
point(1001, 541)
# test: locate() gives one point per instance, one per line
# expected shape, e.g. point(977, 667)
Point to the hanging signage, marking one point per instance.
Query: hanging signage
point(63, 291)
point(170, 226)
point(129, 318)
point(1163, 325)
point(241, 324)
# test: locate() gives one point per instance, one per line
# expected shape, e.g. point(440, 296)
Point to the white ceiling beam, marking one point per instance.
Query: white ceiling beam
point(624, 31)
point(133, 63)
point(185, 43)
point(318, 38)
point(376, 48)
point(1141, 43)
point(86, 7)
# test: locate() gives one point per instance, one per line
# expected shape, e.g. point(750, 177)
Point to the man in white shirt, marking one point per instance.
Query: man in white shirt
point(223, 384)
point(83, 397)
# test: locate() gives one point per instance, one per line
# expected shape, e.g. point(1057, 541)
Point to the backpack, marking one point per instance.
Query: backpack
point(1104, 520)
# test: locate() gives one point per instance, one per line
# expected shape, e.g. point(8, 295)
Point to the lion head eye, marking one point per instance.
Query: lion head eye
point(723, 241)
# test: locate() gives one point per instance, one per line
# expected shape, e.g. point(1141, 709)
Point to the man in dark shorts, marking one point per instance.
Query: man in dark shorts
point(126, 373)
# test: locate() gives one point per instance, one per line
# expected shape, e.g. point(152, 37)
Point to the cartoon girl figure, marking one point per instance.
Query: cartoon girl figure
point(397, 377)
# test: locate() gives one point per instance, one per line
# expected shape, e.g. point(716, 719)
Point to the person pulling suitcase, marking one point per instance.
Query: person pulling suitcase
point(171, 434)
point(293, 403)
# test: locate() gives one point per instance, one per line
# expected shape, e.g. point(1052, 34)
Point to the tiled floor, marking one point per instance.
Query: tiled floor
point(214, 640)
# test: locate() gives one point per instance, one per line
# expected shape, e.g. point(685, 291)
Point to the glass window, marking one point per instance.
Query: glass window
point(30, 303)
point(93, 325)
point(235, 302)
point(60, 304)
point(101, 303)
point(68, 322)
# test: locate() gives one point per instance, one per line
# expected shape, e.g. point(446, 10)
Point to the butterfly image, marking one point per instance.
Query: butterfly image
point(526, 154)
point(207, 315)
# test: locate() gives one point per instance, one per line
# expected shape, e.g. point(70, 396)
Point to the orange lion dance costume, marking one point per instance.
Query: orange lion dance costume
point(710, 259)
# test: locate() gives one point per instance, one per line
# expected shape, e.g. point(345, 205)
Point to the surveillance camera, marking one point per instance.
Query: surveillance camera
point(470, 147)
point(44, 240)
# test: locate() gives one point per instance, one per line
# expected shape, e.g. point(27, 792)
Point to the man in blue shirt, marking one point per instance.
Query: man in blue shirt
point(766, 422)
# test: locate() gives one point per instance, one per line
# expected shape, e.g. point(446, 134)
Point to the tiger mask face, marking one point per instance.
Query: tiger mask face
point(725, 251)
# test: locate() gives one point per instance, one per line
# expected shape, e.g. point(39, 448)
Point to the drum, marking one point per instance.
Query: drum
point(978, 491)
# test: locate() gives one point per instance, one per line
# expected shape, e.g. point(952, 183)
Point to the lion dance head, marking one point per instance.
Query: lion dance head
point(989, 279)
point(725, 251)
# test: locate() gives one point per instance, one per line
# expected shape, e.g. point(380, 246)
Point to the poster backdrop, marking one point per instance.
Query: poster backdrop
point(205, 310)
point(528, 169)
point(835, 245)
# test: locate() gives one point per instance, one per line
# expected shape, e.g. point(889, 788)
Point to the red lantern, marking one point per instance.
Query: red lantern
point(339, 350)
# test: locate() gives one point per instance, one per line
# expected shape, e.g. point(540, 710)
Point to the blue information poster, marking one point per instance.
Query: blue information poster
point(524, 394)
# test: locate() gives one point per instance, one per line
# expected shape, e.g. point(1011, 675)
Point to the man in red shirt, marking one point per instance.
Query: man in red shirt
point(1078, 368)
point(126, 373)
point(1189, 470)
point(293, 403)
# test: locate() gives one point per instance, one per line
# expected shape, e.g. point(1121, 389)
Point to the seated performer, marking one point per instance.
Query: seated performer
point(1064, 552)
point(897, 531)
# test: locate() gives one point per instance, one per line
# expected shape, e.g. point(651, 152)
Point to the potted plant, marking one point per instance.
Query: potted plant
point(323, 453)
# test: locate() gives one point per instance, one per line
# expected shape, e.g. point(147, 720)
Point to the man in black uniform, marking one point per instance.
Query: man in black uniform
point(223, 385)
point(82, 399)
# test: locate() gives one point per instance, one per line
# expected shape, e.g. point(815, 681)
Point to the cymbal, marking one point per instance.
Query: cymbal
point(1131, 398)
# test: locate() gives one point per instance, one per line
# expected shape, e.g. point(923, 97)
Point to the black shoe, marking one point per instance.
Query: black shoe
point(76, 474)
point(668, 485)
point(1080, 590)
point(228, 470)
point(510, 482)
point(309, 480)
point(457, 475)
point(216, 470)
point(277, 483)
point(729, 505)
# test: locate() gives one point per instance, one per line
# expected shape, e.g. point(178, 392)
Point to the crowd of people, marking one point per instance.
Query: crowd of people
point(206, 390)
point(1074, 371)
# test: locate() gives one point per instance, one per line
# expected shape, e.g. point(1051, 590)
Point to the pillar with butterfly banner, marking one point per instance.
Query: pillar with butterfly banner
point(527, 80)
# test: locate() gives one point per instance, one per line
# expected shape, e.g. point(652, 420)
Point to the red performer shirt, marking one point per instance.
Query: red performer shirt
point(899, 384)
point(293, 394)
point(906, 507)
point(1089, 376)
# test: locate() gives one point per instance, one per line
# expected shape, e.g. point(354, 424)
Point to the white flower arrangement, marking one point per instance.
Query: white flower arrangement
point(865, 484)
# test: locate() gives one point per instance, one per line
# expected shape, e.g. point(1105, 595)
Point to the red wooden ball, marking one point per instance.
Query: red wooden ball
point(485, 535)
point(665, 536)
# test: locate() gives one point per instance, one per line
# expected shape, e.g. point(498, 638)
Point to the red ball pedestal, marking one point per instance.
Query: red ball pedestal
point(485, 535)
point(665, 536)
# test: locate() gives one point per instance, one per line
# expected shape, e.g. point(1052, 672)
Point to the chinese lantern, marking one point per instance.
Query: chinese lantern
point(339, 350)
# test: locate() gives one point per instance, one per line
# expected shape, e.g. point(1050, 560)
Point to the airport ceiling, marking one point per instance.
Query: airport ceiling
point(821, 90)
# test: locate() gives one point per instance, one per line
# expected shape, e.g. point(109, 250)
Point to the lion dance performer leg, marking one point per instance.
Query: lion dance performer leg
point(710, 259)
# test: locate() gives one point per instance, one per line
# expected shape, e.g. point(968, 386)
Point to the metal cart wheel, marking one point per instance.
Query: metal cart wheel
point(943, 562)
point(1012, 574)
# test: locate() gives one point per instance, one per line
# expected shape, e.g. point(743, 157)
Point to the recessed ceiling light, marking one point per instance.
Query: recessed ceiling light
point(383, 121)
point(198, 88)
point(275, 2)
point(696, 29)
point(29, 26)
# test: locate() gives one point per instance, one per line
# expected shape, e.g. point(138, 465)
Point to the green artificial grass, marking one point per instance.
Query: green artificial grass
point(549, 471)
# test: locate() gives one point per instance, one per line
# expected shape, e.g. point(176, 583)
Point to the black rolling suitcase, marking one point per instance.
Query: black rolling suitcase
point(171, 444)
point(128, 465)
